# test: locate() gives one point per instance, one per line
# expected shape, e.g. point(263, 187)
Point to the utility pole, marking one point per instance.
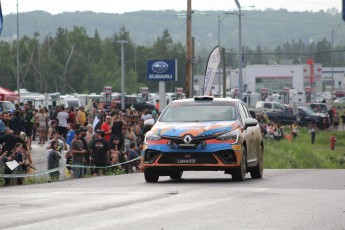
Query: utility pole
point(240, 83)
point(224, 72)
point(122, 42)
point(18, 77)
point(188, 47)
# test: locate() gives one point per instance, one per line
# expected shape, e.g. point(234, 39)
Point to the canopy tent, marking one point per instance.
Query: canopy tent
point(8, 95)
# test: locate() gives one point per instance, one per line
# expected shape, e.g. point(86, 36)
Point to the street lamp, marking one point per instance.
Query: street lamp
point(220, 17)
point(240, 83)
point(122, 42)
point(240, 87)
point(334, 28)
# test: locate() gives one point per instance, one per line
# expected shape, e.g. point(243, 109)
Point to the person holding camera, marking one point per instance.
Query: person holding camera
point(61, 142)
point(117, 122)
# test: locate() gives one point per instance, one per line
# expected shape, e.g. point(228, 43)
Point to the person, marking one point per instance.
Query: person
point(343, 120)
point(336, 121)
point(115, 151)
point(100, 152)
point(132, 154)
point(18, 156)
point(71, 116)
point(61, 142)
point(331, 113)
point(52, 128)
point(116, 125)
point(81, 116)
point(89, 133)
point(106, 127)
point(53, 158)
point(83, 131)
point(146, 115)
point(41, 118)
point(294, 129)
point(16, 124)
point(29, 120)
point(130, 136)
point(62, 117)
point(312, 131)
point(77, 152)
point(71, 130)
point(5, 156)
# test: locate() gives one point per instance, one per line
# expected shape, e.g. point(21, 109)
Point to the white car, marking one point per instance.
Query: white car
point(340, 100)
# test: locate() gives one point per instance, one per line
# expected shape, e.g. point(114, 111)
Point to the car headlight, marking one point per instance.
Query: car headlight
point(230, 136)
point(151, 137)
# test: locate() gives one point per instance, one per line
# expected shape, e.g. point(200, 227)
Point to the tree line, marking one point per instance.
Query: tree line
point(73, 61)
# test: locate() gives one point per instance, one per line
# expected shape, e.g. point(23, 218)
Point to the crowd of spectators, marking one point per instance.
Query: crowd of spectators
point(91, 141)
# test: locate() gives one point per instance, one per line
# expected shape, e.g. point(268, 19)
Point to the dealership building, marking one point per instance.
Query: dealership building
point(277, 77)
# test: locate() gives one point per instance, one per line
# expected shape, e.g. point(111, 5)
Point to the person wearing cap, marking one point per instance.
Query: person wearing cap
point(81, 116)
point(100, 152)
point(83, 131)
point(77, 152)
point(106, 127)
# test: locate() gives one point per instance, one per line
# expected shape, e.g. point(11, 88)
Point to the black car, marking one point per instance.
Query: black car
point(307, 116)
point(134, 102)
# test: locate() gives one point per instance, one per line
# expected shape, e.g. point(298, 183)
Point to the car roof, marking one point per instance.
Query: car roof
point(206, 98)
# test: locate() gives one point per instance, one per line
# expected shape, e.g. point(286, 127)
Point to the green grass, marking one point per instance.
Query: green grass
point(300, 153)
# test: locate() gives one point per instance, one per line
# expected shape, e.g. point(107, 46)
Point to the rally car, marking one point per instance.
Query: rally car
point(204, 134)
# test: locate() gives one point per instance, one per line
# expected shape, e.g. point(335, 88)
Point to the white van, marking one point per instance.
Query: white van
point(70, 102)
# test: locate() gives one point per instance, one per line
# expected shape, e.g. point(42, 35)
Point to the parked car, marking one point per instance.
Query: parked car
point(134, 102)
point(320, 107)
point(308, 116)
point(340, 100)
point(204, 133)
point(7, 106)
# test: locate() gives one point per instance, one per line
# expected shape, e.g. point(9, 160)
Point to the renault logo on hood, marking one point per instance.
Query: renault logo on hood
point(187, 139)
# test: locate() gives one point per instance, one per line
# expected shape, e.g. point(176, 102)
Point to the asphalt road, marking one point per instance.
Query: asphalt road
point(283, 199)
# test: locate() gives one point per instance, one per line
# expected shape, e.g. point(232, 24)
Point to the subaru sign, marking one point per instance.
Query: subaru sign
point(161, 70)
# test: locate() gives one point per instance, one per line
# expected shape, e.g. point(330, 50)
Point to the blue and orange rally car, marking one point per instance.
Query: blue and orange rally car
point(204, 134)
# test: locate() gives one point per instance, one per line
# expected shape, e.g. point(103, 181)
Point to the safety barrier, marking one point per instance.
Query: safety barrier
point(63, 166)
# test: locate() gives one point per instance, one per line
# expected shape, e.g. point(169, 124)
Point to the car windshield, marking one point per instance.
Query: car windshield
point(309, 111)
point(196, 111)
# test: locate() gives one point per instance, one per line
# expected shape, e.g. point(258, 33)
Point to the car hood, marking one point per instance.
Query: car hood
point(196, 129)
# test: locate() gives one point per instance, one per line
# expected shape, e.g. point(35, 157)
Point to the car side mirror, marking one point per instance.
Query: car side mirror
point(249, 122)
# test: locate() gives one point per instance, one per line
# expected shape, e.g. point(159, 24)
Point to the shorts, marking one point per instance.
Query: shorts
point(28, 130)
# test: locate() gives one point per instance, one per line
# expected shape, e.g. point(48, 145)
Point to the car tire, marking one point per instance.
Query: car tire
point(176, 175)
point(151, 175)
point(258, 171)
point(239, 173)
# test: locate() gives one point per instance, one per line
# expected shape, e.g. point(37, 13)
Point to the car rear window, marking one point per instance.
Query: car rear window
point(198, 111)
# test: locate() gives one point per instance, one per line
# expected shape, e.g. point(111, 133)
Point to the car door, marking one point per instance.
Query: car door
point(248, 133)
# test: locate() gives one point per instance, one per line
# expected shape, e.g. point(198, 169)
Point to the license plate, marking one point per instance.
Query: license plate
point(186, 161)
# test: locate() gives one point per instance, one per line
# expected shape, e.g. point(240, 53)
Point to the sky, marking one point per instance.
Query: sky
point(122, 6)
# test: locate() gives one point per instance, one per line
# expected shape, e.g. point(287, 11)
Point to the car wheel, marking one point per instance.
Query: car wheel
point(258, 170)
point(151, 175)
point(176, 175)
point(239, 174)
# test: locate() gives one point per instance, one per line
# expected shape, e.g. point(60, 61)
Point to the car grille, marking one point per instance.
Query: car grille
point(194, 143)
point(187, 158)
